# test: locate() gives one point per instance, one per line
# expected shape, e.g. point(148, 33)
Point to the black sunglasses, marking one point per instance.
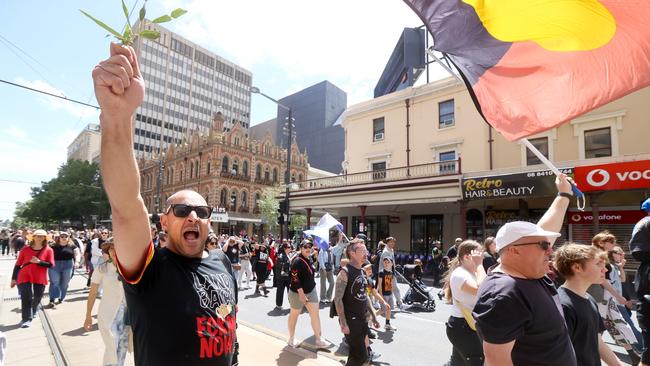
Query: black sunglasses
point(182, 210)
point(542, 244)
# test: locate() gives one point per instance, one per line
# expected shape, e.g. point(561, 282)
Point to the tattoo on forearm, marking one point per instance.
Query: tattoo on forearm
point(339, 291)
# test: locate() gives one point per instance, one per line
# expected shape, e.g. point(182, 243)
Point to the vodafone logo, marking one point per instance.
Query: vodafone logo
point(598, 177)
point(576, 217)
point(615, 176)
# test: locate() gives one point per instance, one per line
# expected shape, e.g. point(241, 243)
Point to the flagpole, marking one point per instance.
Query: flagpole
point(578, 193)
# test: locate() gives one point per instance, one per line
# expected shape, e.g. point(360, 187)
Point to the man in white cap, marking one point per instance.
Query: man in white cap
point(518, 312)
point(640, 250)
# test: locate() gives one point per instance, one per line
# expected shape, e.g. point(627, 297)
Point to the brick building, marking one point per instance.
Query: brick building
point(228, 168)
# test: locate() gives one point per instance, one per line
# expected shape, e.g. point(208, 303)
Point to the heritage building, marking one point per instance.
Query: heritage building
point(228, 168)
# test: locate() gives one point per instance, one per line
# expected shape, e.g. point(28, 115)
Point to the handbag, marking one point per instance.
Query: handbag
point(467, 314)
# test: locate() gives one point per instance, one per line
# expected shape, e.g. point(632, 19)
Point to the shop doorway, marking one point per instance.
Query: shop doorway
point(425, 229)
point(474, 225)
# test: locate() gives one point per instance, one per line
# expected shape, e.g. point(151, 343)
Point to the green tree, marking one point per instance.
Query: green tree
point(298, 222)
point(76, 194)
point(269, 206)
point(19, 221)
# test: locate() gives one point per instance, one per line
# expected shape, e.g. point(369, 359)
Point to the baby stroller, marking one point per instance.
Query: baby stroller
point(418, 293)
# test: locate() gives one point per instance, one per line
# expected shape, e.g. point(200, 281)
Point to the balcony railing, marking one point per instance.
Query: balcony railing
point(236, 176)
point(450, 167)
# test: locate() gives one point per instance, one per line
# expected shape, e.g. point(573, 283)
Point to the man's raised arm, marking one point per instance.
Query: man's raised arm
point(554, 216)
point(119, 89)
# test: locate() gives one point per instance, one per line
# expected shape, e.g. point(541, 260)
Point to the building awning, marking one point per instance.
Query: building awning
point(242, 217)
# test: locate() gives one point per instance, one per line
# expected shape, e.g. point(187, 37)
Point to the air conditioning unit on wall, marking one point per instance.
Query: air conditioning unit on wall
point(379, 136)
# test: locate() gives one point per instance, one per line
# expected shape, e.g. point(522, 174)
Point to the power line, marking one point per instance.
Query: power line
point(19, 181)
point(50, 94)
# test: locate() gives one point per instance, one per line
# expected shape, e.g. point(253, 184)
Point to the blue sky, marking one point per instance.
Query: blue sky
point(288, 45)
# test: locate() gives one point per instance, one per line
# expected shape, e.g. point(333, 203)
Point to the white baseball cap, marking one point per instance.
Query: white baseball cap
point(513, 231)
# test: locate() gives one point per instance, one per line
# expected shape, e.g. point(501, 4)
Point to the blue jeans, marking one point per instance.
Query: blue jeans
point(626, 315)
point(60, 276)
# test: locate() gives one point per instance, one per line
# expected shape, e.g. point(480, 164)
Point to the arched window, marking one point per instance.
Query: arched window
point(244, 199)
point(191, 169)
point(197, 169)
point(258, 172)
point(223, 198)
point(224, 164)
point(237, 141)
point(244, 168)
point(256, 204)
point(233, 200)
point(293, 177)
point(172, 177)
point(266, 174)
point(208, 167)
point(275, 175)
point(299, 177)
point(235, 166)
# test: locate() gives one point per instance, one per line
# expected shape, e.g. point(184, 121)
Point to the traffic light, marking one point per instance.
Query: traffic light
point(283, 207)
point(280, 218)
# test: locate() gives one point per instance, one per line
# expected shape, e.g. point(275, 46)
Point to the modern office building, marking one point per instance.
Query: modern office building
point(86, 145)
point(316, 113)
point(186, 86)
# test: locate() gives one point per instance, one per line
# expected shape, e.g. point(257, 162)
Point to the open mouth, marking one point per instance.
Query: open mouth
point(191, 234)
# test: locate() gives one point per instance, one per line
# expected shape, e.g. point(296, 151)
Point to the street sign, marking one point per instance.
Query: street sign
point(219, 217)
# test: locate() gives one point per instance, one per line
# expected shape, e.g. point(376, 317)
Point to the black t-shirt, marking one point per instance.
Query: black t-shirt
point(356, 294)
point(302, 275)
point(233, 253)
point(386, 282)
point(63, 252)
point(640, 240)
point(452, 252)
point(183, 310)
point(527, 312)
point(584, 324)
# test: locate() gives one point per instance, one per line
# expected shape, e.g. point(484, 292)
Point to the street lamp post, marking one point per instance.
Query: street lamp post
point(287, 173)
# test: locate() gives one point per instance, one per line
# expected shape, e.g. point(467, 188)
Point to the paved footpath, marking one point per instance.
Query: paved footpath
point(30, 346)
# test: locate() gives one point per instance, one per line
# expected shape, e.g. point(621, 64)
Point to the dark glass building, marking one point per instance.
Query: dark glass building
point(316, 113)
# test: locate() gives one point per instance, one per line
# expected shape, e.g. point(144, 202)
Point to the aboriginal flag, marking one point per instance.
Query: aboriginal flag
point(531, 65)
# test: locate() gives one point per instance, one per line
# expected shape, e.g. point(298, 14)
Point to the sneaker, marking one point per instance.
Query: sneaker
point(26, 324)
point(372, 335)
point(321, 343)
point(292, 343)
point(51, 304)
point(390, 327)
point(58, 301)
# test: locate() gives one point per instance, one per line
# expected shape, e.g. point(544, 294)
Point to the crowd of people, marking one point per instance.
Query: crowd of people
point(514, 302)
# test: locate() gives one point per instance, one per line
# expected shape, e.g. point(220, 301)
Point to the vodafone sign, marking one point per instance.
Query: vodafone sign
point(606, 217)
point(617, 176)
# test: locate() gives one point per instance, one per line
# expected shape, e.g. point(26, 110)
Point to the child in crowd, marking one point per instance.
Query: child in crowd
point(583, 266)
point(385, 289)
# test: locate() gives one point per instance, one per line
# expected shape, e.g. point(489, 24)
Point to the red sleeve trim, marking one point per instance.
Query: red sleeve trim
point(133, 280)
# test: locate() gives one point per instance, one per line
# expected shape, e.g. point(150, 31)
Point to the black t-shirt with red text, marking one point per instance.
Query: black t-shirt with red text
point(183, 310)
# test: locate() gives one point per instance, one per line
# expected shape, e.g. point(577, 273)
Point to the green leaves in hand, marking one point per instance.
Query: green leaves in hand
point(178, 12)
point(128, 36)
point(103, 25)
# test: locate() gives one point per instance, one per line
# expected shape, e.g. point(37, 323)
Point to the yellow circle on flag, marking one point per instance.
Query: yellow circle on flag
point(577, 25)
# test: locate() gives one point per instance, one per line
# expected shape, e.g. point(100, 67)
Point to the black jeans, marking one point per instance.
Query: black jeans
point(30, 299)
point(467, 348)
point(642, 285)
point(358, 353)
point(4, 246)
point(279, 290)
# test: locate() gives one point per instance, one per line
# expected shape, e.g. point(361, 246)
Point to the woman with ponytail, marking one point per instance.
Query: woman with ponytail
point(461, 286)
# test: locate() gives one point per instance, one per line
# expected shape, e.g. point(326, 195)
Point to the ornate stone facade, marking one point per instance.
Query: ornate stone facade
point(227, 168)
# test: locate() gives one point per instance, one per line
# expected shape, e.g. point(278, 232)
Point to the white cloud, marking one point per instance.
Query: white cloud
point(346, 42)
point(76, 110)
point(28, 160)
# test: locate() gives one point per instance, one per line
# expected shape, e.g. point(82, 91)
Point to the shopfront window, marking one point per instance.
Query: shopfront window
point(474, 225)
point(376, 229)
point(425, 229)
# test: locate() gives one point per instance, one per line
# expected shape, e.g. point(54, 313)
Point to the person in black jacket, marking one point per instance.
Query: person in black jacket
point(640, 250)
point(283, 266)
point(302, 293)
